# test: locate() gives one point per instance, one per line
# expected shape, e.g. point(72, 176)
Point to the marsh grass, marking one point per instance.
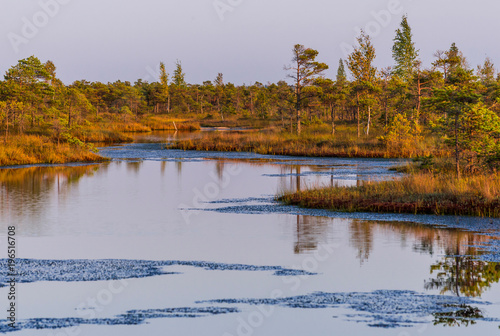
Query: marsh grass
point(32, 149)
point(420, 193)
point(315, 141)
point(161, 123)
point(101, 135)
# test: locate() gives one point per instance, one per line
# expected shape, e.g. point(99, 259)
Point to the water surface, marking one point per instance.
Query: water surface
point(191, 243)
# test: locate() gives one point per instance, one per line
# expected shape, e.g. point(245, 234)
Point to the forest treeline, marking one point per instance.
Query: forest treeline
point(457, 103)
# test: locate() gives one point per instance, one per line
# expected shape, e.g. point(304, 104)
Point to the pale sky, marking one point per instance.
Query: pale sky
point(246, 40)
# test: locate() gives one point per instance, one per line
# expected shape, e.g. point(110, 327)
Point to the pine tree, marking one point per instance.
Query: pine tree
point(450, 60)
point(165, 92)
point(403, 51)
point(179, 76)
point(341, 73)
point(487, 72)
point(360, 64)
point(304, 71)
point(219, 91)
point(456, 99)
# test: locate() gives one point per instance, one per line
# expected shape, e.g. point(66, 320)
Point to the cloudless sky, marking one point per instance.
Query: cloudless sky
point(246, 40)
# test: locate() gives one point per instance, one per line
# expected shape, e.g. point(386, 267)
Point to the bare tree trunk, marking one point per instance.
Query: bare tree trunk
point(6, 124)
point(251, 103)
point(419, 100)
point(369, 120)
point(282, 118)
point(457, 147)
point(297, 108)
point(333, 118)
point(386, 112)
point(298, 122)
point(69, 117)
point(357, 111)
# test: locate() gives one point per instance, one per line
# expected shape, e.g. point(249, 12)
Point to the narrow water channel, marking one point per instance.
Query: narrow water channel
point(160, 242)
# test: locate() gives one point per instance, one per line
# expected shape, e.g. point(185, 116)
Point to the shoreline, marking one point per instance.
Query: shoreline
point(32, 149)
point(307, 145)
point(419, 194)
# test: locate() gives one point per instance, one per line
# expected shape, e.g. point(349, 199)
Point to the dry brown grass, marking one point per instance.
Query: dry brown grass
point(31, 149)
point(162, 123)
point(421, 193)
point(315, 141)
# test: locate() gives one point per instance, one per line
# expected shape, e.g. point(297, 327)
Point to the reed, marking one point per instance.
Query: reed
point(159, 123)
point(314, 142)
point(420, 193)
point(32, 149)
point(107, 135)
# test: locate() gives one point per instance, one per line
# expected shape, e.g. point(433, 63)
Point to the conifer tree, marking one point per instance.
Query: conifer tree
point(360, 64)
point(179, 76)
point(487, 72)
point(304, 70)
point(404, 52)
point(341, 73)
point(164, 86)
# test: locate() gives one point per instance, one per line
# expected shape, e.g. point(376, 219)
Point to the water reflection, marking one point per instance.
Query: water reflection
point(459, 272)
point(27, 191)
point(310, 231)
point(134, 166)
point(463, 275)
point(361, 238)
point(33, 194)
point(463, 317)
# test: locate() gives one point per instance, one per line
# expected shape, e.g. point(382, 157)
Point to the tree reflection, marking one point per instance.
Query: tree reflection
point(463, 274)
point(26, 190)
point(134, 166)
point(464, 316)
point(362, 238)
point(310, 231)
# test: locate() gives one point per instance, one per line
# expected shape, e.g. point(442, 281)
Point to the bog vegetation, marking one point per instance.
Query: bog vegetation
point(444, 109)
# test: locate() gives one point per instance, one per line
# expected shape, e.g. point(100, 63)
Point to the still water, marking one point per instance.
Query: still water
point(160, 242)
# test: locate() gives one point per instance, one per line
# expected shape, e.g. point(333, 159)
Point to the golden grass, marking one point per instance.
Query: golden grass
point(421, 193)
point(315, 141)
point(161, 123)
point(92, 134)
point(31, 149)
point(126, 127)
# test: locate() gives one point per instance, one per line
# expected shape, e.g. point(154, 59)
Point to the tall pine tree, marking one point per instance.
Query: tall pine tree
point(360, 64)
point(341, 73)
point(403, 51)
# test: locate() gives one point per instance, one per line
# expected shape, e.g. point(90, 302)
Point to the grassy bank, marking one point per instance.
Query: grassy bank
point(314, 142)
point(58, 143)
point(161, 123)
point(417, 193)
point(115, 131)
point(32, 149)
point(108, 128)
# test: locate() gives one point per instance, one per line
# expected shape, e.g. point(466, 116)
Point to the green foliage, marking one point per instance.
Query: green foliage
point(476, 132)
point(404, 52)
point(304, 72)
point(360, 61)
point(179, 76)
point(402, 134)
point(341, 73)
point(402, 103)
